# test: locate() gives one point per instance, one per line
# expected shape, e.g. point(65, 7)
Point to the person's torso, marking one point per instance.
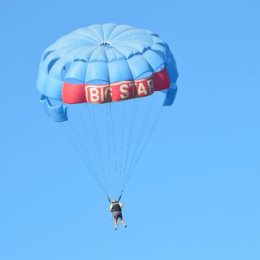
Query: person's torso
point(116, 207)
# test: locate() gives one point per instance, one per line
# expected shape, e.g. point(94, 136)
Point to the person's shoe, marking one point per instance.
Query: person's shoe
point(115, 228)
point(125, 226)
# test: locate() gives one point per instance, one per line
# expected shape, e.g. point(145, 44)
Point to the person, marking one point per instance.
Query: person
point(116, 210)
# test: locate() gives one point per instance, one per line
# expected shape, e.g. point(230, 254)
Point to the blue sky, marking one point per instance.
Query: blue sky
point(198, 200)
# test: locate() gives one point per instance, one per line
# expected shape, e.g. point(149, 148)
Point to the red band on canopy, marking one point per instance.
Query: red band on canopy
point(80, 93)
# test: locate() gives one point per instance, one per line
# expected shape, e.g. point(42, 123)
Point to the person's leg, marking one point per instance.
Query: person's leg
point(123, 222)
point(115, 222)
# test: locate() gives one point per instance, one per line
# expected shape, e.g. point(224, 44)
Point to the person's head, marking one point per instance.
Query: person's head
point(113, 201)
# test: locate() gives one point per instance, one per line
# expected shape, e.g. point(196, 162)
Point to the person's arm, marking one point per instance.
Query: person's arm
point(120, 196)
point(109, 200)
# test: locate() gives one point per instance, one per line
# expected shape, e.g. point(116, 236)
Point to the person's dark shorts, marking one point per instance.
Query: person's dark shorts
point(117, 215)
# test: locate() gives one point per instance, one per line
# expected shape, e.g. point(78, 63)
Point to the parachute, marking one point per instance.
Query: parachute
point(106, 85)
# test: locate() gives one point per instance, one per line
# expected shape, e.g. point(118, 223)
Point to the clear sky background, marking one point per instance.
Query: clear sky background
point(198, 200)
